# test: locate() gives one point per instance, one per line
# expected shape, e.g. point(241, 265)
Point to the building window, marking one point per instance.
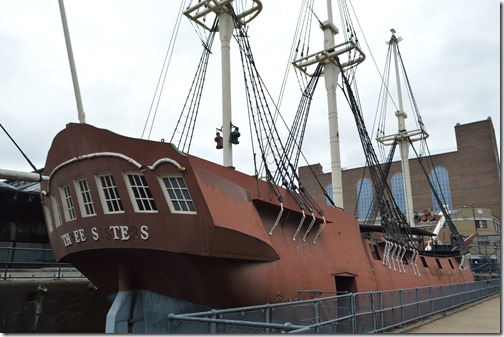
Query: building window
point(68, 205)
point(398, 191)
point(85, 201)
point(481, 224)
point(109, 194)
point(328, 190)
point(365, 198)
point(140, 192)
point(177, 194)
point(441, 182)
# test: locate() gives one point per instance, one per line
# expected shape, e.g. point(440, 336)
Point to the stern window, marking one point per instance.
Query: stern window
point(109, 194)
point(68, 204)
point(56, 211)
point(140, 193)
point(177, 194)
point(48, 219)
point(85, 201)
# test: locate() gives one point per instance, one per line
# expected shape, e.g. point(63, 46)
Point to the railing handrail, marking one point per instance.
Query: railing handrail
point(441, 298)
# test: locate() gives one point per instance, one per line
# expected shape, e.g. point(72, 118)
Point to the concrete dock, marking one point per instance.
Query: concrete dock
point(480, 317)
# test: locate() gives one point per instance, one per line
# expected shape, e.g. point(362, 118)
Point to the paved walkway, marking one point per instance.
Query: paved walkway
point(481, 317)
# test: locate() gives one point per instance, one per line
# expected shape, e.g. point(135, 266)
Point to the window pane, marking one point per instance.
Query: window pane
point(178, 194)
point(141, 192)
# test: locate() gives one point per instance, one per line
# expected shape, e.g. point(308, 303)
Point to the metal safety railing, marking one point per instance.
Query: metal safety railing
point(350, 313)
point(21, 263)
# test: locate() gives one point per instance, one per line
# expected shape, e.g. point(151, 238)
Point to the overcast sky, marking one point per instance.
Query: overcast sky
point(451, 51)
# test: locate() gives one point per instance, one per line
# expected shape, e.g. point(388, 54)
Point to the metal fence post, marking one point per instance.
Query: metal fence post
point(213, 327)
point(380, 297)
point(267, 316)
point(418, 303)
point(354, 313)
point(431, 300)
point(373, 310)
point(317, 320)
point(8, 261)
point(442, 297)
point(401, 303)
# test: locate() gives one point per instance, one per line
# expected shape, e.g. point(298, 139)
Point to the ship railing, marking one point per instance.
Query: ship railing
point(366, 312)
point(26, 262)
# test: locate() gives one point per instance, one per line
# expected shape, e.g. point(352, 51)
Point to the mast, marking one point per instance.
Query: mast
point(332, 72)
point(197, 13)
point(334, 58)
point(226, 28)
point(403, 137)
point(80, 110)
point(403, 141)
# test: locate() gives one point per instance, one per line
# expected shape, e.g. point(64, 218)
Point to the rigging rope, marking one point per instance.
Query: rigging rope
point(163, 73)
point(267, 135)
point(184, 129)
point(14, 142)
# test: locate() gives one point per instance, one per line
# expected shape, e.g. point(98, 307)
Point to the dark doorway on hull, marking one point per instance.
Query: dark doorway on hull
point(345, 283)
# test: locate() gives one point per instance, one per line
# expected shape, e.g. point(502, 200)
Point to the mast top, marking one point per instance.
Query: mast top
point(198, 12)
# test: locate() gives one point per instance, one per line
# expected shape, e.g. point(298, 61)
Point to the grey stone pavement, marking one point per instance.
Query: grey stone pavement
point(481, 317)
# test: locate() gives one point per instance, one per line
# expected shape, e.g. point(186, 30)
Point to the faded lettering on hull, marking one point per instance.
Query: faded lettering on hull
point(111, 233)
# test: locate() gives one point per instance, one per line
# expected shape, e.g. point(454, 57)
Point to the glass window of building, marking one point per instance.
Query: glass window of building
point(365, 198)
point(398, 191)
point(441, 182)
point(328, 190)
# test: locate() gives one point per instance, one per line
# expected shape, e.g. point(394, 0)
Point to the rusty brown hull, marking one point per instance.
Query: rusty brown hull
point(221, 255)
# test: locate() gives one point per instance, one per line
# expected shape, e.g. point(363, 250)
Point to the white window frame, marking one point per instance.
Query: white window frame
point(146, 190)
point(83, 205)
point(48, 218)
point(68, 204)
point(169, 199)
point(103, 198)
point(56, 211)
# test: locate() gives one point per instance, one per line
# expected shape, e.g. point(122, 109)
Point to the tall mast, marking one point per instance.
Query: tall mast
point(226, 28)
point(197, 14)
point(403, 141)
point(331, 73)
point(328, 57)
point(403, 137)
point(80, 110)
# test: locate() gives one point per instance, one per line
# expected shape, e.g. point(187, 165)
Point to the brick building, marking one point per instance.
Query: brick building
point(468, 178)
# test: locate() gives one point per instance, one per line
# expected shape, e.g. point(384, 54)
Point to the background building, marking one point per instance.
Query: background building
point(468, 179)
